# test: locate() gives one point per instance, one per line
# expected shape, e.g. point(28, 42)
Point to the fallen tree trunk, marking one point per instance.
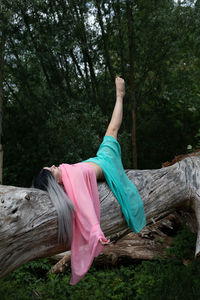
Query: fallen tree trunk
point(151, 242)
point(28, 219)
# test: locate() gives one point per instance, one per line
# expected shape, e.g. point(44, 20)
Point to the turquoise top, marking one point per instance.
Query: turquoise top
point(109, 159)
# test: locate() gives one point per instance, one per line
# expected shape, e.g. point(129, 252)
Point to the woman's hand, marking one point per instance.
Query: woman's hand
point(120, 86)
point(105, 242)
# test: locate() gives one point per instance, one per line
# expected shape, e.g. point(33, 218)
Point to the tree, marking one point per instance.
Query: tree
point(29, 221)
point(3, 24)
point(132, 81)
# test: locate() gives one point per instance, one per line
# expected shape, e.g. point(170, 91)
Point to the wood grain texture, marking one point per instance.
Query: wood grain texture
point(28, 219)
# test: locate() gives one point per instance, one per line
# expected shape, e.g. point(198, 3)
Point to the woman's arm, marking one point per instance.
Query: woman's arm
point(115, 122)
point(117, 114)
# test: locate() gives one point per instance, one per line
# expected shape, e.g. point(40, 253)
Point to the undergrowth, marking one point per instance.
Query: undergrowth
point(175, 277)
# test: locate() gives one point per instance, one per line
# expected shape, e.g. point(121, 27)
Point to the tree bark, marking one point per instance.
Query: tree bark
point(28, 219)
point(40, 57)
point(121, 47)
point(132, 82)
point(85, 47)
point(105, 40)
point(2, 44)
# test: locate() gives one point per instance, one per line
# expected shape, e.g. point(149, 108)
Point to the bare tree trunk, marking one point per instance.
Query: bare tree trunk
point(117, 10)
point(151, 242)
point(85, 48)
point(132, 83)
point(105, 40)
point(2, 44)
point(28, 219)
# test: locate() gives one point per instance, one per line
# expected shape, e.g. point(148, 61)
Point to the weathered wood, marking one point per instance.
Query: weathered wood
point(28, 220)
point(149, 243)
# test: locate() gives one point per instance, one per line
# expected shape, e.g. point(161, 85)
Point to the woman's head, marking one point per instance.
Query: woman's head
point(46, 181)
point(56, 172)
point(41, 180)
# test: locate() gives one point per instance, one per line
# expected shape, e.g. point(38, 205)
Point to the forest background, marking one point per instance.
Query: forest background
point(58, 62)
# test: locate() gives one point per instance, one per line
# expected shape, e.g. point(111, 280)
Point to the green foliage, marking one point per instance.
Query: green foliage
point(183, 245)
point(23, 283)
point(175, 277)
point(197, 144)
point(60, 62)
point(31, 280)
point(166, 278)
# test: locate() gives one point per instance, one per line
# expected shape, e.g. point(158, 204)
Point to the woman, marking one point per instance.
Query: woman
point(73, 190)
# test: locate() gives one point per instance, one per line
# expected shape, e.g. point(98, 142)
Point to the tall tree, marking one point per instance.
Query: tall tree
point(121, 29)
point(3, 24)
point(79, 7)
point(132, 82)
point(105, 39)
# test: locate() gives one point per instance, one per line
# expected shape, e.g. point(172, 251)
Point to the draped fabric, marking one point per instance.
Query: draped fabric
point(109, 159)
point(79, 181)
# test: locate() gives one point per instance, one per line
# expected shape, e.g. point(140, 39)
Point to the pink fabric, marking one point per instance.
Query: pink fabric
point(80, 184)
